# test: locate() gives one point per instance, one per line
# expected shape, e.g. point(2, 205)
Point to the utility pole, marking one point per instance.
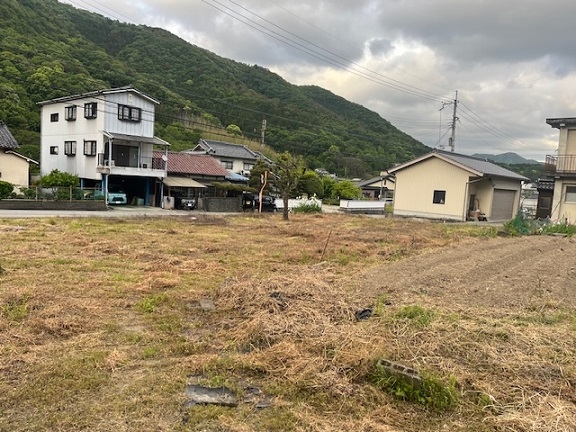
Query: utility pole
point(263, 130)
point(452, 139)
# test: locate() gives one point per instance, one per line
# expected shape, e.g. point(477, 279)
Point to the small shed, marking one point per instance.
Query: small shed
point(451, 186)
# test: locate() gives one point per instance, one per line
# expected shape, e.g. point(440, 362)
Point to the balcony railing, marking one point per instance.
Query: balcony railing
point(140, 167)
point(143, 163)
point(560, 164)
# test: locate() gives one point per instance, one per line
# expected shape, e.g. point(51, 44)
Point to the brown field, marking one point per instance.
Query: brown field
point(104, 323)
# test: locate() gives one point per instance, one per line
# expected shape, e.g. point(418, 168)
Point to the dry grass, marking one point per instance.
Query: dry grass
point(101, 329)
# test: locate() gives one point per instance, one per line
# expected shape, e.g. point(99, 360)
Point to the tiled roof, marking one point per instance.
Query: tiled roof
point(223, 149)
point(193, 164)
point(236, 177)
point(545, 184)
point(480, 166)
point(7, 140)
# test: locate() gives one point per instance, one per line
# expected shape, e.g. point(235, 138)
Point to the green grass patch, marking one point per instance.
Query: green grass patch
point(150, 304)
point(429, 390)
point(15, 309)
point(415, 314)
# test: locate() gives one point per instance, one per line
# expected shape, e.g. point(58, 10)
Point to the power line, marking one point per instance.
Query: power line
point(344, 64)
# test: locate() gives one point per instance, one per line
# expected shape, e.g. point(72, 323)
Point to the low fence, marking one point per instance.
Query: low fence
point(57, 198)
point(24, 204)
point(366, 206)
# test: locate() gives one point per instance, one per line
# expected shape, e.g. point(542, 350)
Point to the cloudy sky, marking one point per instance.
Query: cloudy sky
point(513, 63)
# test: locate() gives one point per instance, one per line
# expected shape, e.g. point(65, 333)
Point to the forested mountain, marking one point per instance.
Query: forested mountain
point(49, 49)
point(509, 158)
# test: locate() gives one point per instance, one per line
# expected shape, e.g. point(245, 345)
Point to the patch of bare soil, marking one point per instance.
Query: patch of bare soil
point(498, 273)
point(512, 306)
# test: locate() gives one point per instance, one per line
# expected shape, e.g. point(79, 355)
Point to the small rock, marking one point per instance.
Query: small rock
point(206, 395)
point(207, 305)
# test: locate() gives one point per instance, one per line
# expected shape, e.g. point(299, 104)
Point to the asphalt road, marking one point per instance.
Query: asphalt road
point(123, 211)
point(116, 212)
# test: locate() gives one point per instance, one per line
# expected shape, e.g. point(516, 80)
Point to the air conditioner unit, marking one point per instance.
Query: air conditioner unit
point(245, 173)
point(110, 163)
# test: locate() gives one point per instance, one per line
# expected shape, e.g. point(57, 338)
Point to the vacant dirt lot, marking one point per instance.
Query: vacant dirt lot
point(103, 324)
point(499, 273)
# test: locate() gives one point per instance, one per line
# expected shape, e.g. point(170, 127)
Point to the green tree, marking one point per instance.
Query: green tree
point(287, 172)
point(233, 129)
point(310, 184)
point(328, 184)
point(346, 190)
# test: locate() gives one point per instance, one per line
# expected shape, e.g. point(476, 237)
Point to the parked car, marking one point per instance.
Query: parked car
point(251, 202)
point(116, 195)
point(184, 203)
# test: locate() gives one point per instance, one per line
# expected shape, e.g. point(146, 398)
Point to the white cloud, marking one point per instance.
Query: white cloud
point(512, 62)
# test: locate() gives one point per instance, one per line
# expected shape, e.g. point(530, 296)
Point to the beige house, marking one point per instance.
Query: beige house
point(562, 168)
point(451, 186)
point(14, 167)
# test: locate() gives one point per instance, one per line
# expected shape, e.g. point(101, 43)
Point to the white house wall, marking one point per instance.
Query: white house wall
point(143, 128)
point(56, 133)
point(415, 186)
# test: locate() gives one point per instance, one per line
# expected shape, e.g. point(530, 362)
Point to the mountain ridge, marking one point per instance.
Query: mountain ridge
point(49, 49)
point(509, 158)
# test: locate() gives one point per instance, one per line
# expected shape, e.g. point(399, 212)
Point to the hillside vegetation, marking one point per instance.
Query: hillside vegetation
point(48, 50)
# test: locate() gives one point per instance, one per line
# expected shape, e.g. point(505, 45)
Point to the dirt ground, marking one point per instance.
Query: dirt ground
point(498, 273)
point(102, 325)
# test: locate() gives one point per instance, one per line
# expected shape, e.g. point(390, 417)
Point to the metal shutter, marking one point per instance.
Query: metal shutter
point(503, 204)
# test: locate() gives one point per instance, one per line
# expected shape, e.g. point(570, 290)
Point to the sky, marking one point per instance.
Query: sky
point(510, 65)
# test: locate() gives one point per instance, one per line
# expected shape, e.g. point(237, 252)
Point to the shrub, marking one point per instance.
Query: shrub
point(561, 228)
point(5, 189)
point(309, 207)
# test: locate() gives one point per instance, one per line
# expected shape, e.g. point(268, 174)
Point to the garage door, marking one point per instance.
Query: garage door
point(503, 204)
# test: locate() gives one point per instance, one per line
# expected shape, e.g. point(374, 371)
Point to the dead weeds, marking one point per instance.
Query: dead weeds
point(102, 326)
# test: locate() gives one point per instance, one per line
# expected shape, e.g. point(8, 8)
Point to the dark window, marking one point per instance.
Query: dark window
point(70, 113)
point(439, 197)
point(570, 194)
point(54, 117)
point(129, 113)
point(90, 148)
point(53, 149)
point(90, 110)
point(70, 148)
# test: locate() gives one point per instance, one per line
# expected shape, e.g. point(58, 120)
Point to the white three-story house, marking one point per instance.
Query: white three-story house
point(106, 138)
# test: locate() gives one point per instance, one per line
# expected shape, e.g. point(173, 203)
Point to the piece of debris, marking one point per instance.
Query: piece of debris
point(207, 395)
point(363, 314)
point(279, 298)
point(409, 375)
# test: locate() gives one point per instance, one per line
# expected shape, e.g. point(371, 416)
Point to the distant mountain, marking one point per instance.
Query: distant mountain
point(506, 158)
